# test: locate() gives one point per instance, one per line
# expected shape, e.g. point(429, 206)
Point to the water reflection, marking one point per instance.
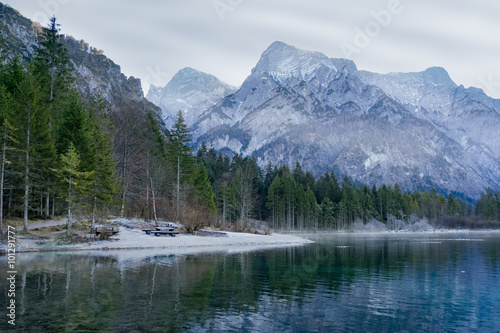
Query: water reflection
point(391, 282)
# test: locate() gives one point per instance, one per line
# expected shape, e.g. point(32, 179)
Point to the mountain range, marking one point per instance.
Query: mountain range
point(419, 130)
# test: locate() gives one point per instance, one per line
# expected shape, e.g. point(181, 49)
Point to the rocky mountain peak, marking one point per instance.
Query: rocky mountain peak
point(188, 79)
point(191, 91)
point(437, 76)
point(282, 61)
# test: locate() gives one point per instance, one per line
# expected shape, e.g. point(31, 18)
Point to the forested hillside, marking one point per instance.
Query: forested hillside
point(65, 152)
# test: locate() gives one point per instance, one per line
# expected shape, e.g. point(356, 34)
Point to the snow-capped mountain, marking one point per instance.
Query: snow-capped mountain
point(416, 129)
point(468, 116)
point(191, 91)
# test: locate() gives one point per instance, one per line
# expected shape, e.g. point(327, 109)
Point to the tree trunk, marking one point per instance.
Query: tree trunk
point(178, 188)
point(125, 177)
point(224, 209)
point(26, 174)
point(94, 212)
point(146, 213)
point(123, 200)
point(154, 201)
point(47, 204)
point(9, 205)
point(68, 230)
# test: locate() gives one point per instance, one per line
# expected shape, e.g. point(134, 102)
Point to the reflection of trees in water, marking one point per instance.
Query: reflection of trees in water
point(99, 293)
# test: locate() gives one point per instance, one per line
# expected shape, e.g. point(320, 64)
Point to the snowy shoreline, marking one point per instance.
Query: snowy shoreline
point(135, 239)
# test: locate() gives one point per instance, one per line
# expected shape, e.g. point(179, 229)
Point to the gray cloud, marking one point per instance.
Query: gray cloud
point(166, 36)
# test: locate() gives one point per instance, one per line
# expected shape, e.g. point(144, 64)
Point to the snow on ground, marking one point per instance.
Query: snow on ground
point(136, 239)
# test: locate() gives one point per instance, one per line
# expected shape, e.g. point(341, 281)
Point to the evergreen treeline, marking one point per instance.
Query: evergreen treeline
point(56, 147)
point(64, 154)
point(294, 199)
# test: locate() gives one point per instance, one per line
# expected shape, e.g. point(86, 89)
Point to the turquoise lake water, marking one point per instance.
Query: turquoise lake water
point(436, 282)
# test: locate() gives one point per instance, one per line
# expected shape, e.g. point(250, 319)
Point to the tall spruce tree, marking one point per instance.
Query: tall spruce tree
point(76, 182)
point(156, 163)
point(223, 200)
point(203, 189)
point(75, 128)
point(7, 134)
point(180, 155)
point(103, 167)
point(243, 191)
point(28, 98)
point(52, 67)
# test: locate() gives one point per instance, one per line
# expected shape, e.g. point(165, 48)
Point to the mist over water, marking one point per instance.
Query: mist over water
point(414, 224)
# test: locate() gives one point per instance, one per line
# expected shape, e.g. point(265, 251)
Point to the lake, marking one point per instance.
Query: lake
point(432, 282)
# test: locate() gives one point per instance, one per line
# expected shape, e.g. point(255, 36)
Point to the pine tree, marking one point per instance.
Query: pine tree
point(224, 198)
point(28, 98)
point(275, 200)
point(44, 158)
point(299, 176)
point(7, 134)
point(52, 67)
point(179, 153)
point(203, 189)
point(313, 208)
point(103, 179)
point(453, 206)
point(242, 191)
point(76, 181)
point(289, 192)
point(327, 208)
point(75, 128)
point(156, 162)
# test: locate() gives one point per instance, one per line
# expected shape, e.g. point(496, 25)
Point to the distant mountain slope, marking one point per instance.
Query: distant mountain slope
point(192, 92)
point(466, 115)
point(303, 106)
point(95, 73)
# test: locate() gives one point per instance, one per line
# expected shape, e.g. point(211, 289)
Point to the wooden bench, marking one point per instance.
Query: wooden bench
point(110, 231)
point(104, 232)
point(158, 231)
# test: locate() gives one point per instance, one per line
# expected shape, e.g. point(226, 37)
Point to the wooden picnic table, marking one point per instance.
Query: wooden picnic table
point(158, 231)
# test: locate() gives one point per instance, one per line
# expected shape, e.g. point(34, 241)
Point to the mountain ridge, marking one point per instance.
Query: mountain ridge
point(189, 90)
point(94, 72)
point(302, 106)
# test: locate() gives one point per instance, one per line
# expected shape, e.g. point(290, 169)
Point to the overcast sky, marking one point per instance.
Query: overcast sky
point(154, 39)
